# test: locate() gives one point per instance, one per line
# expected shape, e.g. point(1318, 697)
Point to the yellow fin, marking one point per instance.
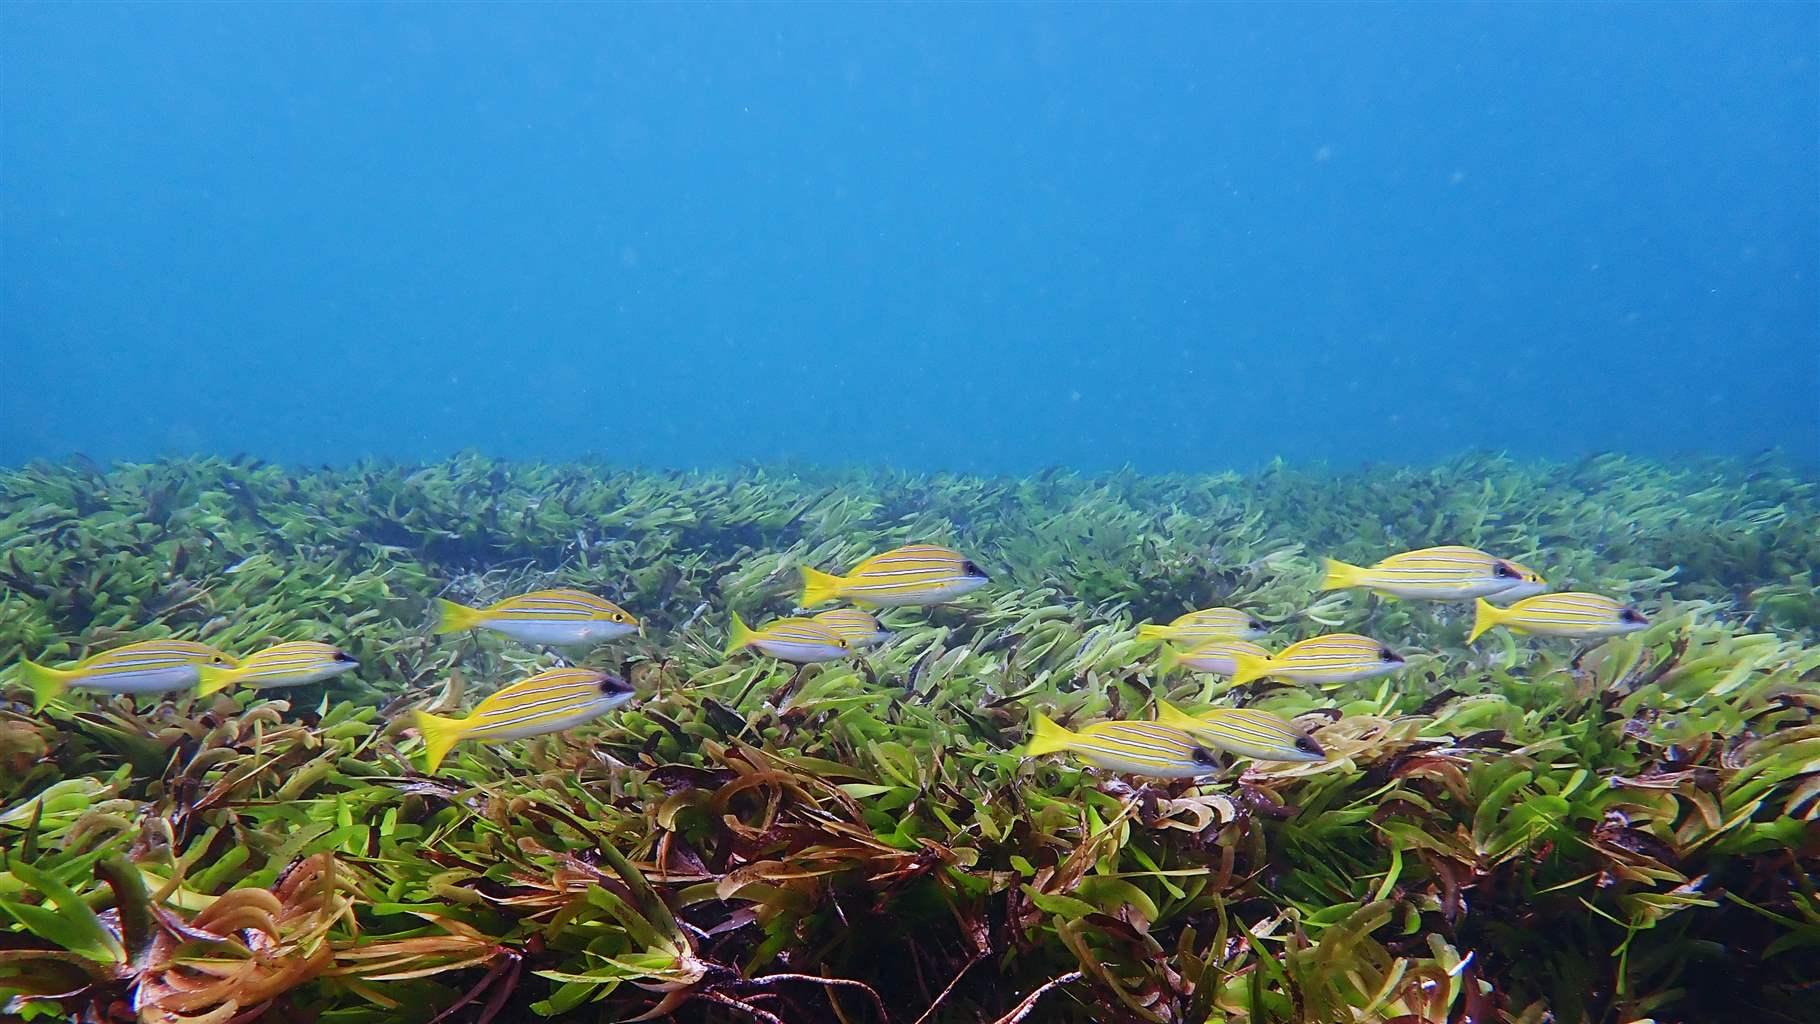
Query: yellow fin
point(1485, 615)
point(1249, 667)
point(1338, 575)
point(819, 586)
point(439, 736)
point(739, 636)
point(456, 618)
point(1046, 737)
point(46, 683)
point(1168, 659)
point(1152, 631)
point(214, 678)
point(1174, 717)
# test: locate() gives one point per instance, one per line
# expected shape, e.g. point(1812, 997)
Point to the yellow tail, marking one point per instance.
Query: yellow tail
point(1337, 575)
point(46, 683)
point(439, 736)
point(819, 586)
point(1175, 718)
point(1250, 667)
point(214, 679)
point(1168, 659)
point(456, 618)
point(739, 636)
point(1485, 615)
point(1152, 631)
point(1046, 737)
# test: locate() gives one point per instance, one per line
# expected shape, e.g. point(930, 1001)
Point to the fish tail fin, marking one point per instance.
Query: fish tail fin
point(1484, 616)
point(1046, 737)
point(1249, 667)
point(1174, 717)
point(738, 636)
point(1168, 659)
point(439, 736)
point(820, 586)
point(1152, 631)
point(456, 618)
point(214, 678)
point(1338, 575)
point(46, 683)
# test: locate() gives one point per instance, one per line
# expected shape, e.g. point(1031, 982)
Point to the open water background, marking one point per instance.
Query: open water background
point(985, 238)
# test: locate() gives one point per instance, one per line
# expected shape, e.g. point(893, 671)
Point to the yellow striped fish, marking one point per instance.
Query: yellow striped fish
point(1140, 748)
point(913, 574)
point(1217, 657)
point(150, 666)
point(856, 627)
point(1244, 732)
point(1451, 573)
point(798, 641)
point(291, 664)
point(1327, 660)
point(561, 618)
point(1206, 624)
point(1529, 584)
point(547, 702)
point(1582, 616)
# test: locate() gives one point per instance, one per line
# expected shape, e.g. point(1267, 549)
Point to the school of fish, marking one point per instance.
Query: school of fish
point(1173, 744)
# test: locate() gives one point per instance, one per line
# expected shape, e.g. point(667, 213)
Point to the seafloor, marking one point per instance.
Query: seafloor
point(1523, 830)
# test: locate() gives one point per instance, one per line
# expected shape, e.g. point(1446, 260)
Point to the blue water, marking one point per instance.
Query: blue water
point(972, 237)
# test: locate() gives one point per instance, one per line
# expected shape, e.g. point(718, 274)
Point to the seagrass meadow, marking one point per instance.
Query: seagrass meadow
point(1517, 830)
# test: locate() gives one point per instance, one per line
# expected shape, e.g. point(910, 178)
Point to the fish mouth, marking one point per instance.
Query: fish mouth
point(967, 585)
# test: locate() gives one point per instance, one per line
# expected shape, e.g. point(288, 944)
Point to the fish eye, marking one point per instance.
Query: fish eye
point(1388, 655)
point(613, 685)
point(1307, 745)
point(1632, 615)
point(1202, 756)
point(619, 616)
point(1255, 624)
point(1503, 571)
point(218, 660)
point(343, 656)
point(972, 568)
